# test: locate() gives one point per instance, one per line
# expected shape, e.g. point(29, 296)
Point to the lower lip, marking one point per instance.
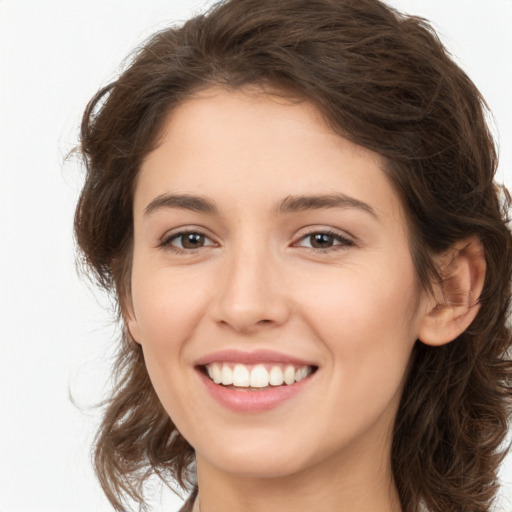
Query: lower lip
point(252, 401)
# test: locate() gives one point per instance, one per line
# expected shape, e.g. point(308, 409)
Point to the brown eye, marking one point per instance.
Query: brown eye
point(192, 240)
point(324, 240)
point(187, 241)
point(321, 240)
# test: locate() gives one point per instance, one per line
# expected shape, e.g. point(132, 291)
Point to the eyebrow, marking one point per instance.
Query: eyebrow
point(290, 204)
point(182, 201)
point(316, 202)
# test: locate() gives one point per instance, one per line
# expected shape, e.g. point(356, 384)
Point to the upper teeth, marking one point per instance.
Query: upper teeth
point(258, 376)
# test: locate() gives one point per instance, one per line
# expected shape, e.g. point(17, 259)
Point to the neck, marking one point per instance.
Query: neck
point(356, 485)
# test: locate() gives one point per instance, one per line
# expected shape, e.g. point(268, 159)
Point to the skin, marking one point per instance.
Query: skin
point(256, 281)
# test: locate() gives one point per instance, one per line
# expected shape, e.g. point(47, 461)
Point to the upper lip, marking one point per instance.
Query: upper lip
point(252, 357)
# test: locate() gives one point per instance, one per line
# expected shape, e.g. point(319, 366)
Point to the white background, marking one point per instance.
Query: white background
point(55, 336)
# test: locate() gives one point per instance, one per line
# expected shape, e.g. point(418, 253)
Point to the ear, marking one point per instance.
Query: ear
point(130, 320)
point(454, 304)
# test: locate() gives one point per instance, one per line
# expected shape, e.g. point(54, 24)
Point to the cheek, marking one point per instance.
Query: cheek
point(364, 300)
point(369, 333)
point(165, 320)
point(368, 323)
point(167, 305)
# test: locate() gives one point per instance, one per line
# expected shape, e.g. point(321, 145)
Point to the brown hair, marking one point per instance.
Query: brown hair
point(385, 81)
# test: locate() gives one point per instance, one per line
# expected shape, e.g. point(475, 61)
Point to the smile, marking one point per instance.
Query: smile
point(256, 376)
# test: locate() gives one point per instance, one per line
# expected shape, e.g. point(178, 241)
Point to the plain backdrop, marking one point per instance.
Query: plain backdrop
point(56, 335)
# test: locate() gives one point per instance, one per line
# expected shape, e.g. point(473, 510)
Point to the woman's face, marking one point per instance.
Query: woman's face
point(269, 248)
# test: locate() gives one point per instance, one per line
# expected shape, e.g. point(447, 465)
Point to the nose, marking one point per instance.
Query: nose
point(252, 293)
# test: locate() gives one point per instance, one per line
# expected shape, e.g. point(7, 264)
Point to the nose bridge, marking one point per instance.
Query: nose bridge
point(251, 294)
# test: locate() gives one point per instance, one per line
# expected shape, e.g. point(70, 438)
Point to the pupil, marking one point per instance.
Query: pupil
point(322, 240)
point(193, 240)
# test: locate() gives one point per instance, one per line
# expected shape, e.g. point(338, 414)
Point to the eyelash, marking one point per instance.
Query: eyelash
point(343, 241)
point(167, 241)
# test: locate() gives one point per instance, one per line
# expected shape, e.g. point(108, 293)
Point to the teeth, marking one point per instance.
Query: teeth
point(275, 377)
point(289, 374)
point(217, 374)
point(240, 375)
point(301, 373)
point(259, 376)
point(226, 375)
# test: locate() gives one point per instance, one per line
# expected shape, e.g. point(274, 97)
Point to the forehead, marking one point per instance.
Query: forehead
point(240, 143)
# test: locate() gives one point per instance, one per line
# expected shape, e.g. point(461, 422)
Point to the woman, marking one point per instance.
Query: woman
point(294, 205)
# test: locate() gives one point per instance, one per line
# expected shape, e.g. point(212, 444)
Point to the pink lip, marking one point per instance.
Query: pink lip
point(241, 400)
point(254, 357)
point(252, 401)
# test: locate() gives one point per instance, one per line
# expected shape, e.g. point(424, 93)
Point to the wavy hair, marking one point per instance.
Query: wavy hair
point(385, 81)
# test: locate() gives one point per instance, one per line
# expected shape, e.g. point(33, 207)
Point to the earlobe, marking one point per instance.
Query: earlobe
point(130, 321)
point(455, 303)
point(133, 329)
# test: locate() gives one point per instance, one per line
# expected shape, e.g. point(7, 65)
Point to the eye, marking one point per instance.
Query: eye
point(324, 240)
point(186, 241)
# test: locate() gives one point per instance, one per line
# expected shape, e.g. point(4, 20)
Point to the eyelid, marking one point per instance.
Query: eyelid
point(344, 238)
point(169, 236)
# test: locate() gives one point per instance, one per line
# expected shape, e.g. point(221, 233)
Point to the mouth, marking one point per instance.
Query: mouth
point(256, 381)
point(256, 377)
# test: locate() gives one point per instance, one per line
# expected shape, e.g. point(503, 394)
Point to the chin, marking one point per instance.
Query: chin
point(259, 465)
point(264, 454)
